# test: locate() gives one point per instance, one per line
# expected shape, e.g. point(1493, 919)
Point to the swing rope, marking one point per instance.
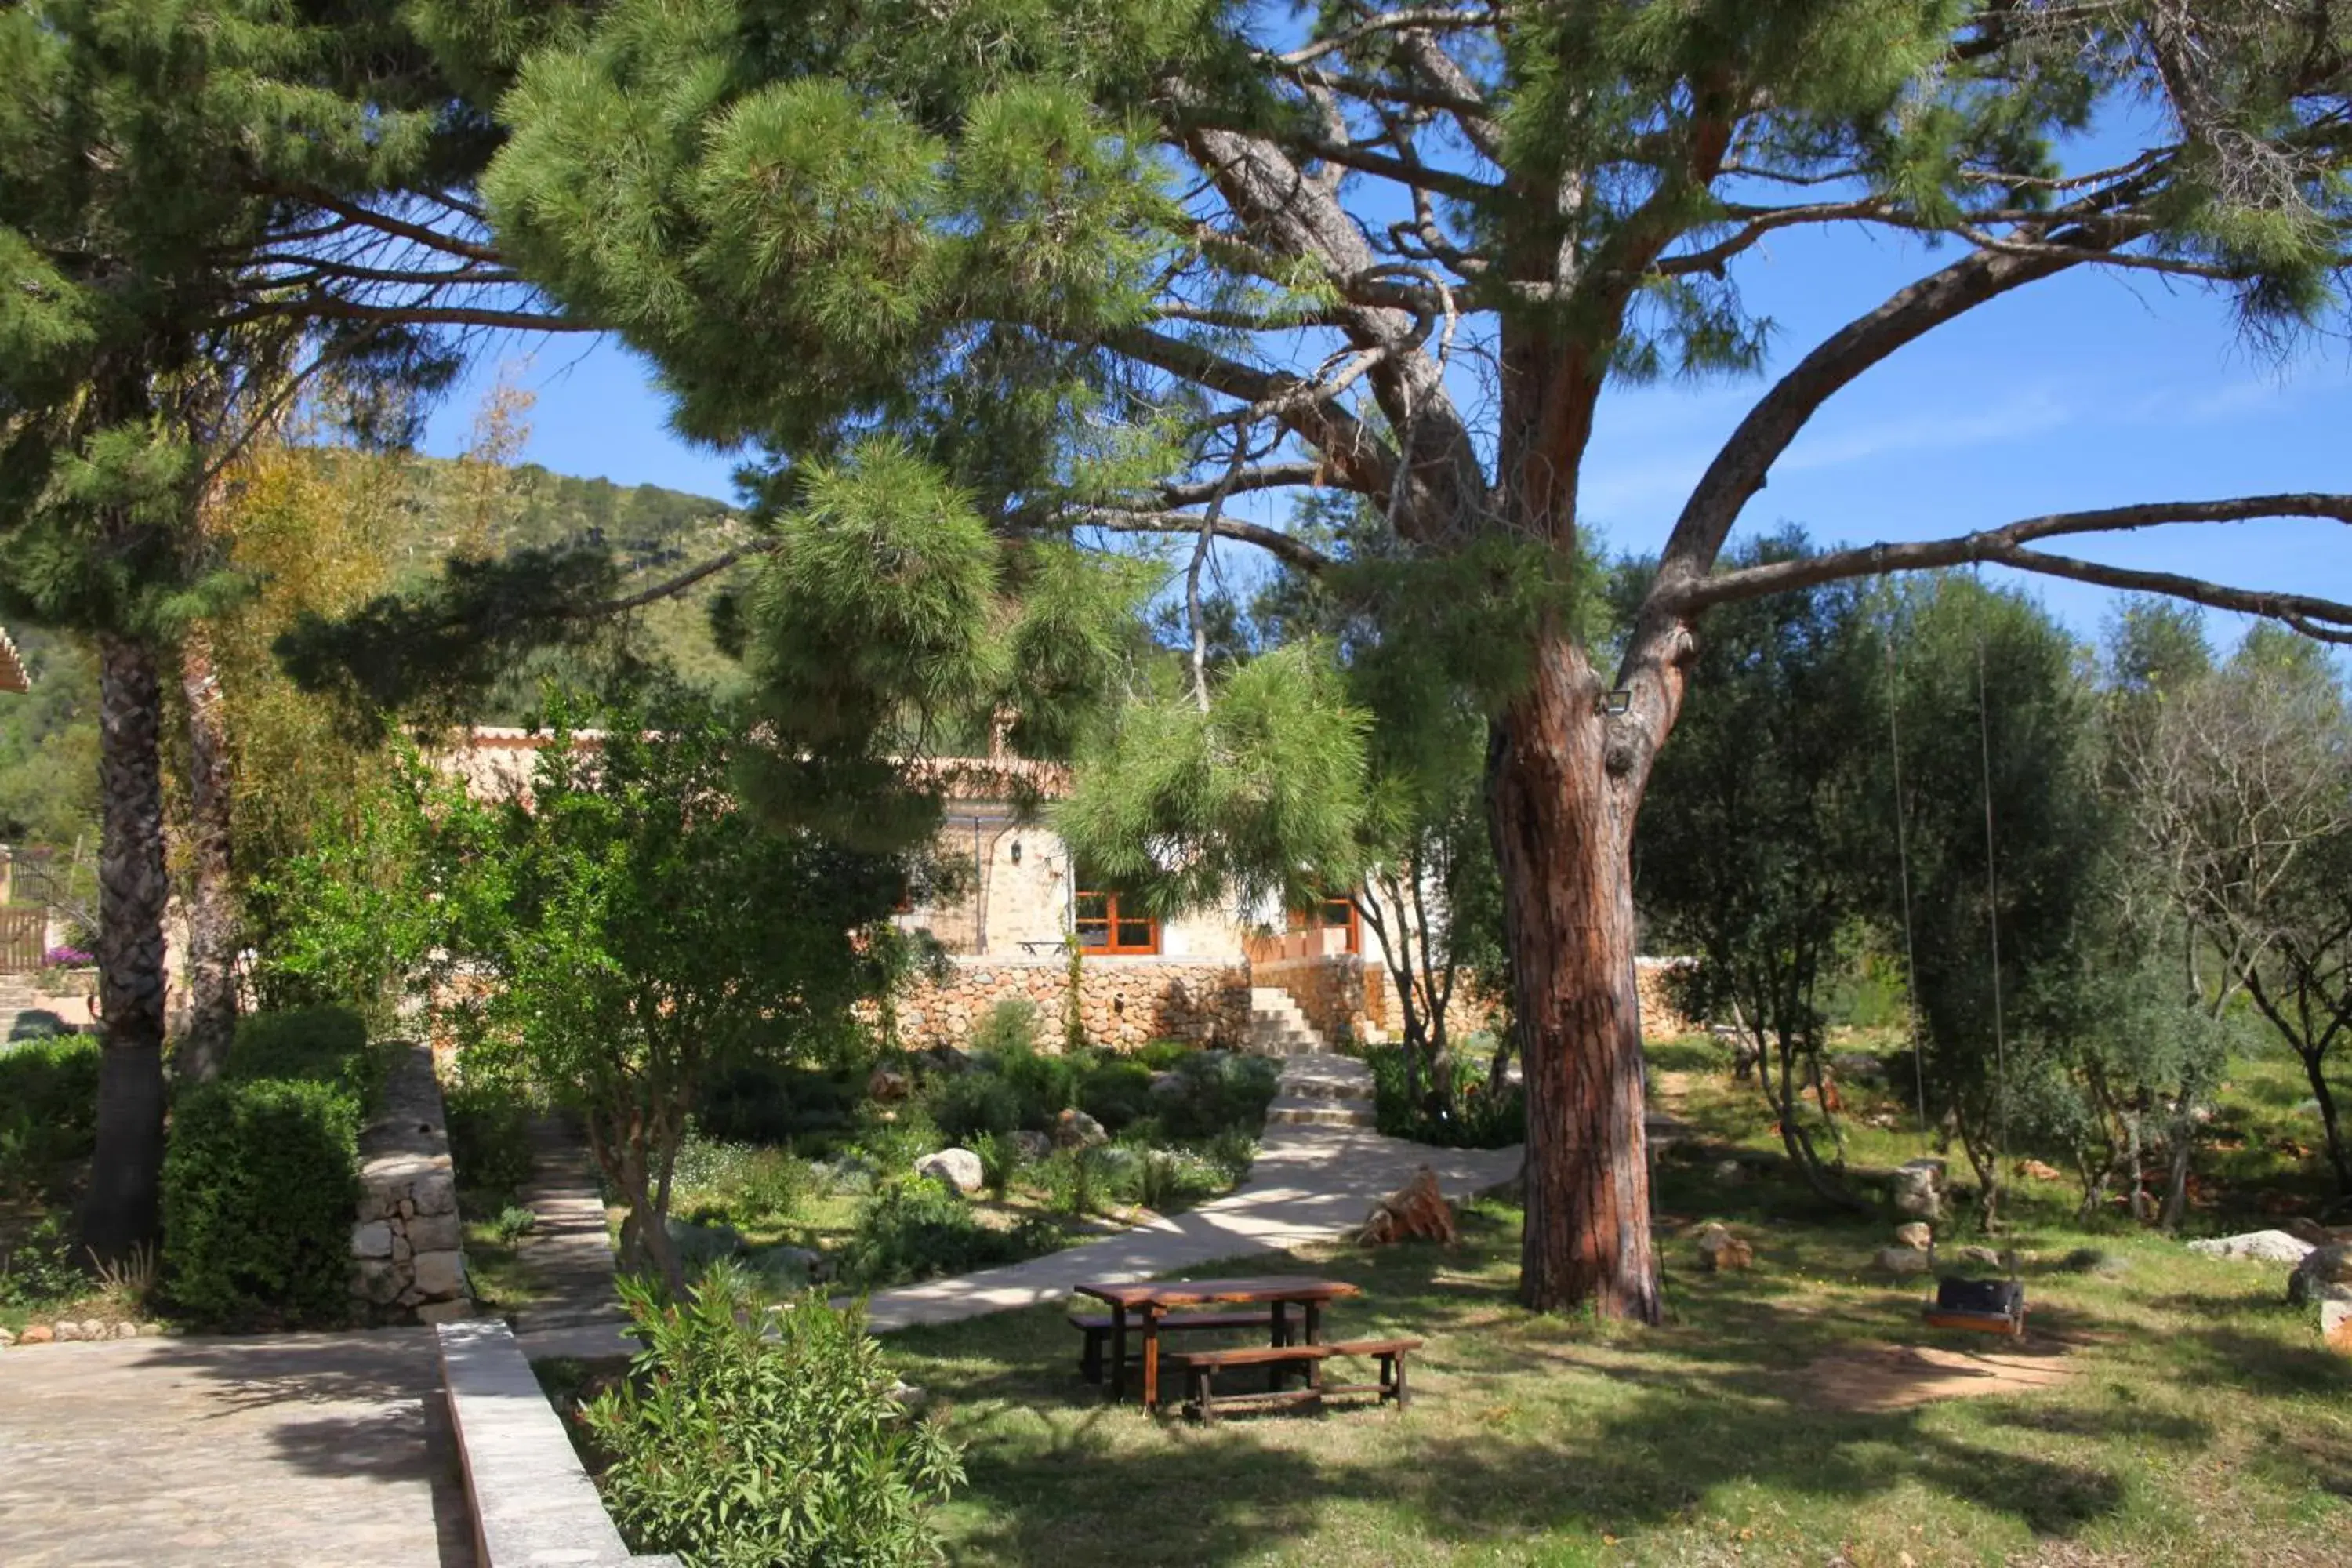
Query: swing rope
point(1903, 866)
point(1992, 914)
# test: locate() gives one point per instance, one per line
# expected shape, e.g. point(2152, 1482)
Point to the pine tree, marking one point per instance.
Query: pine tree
point(980, 280)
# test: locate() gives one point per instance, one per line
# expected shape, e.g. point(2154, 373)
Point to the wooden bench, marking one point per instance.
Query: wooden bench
point(1201, 1368)
point(1098, 1327)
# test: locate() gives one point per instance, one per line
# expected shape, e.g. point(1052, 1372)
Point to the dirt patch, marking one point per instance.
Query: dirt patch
point(1896, 1377)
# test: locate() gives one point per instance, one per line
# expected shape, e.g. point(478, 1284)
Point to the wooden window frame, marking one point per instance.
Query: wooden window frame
point(1111, 922)
point(1299, 919)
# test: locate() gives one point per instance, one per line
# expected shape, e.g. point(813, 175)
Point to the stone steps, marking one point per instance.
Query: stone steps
point(1297, 1110)
point(1318, 1088)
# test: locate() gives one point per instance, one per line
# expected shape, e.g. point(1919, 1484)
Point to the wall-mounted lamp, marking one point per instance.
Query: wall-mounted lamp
point(1016, 852)
point(1618, 702)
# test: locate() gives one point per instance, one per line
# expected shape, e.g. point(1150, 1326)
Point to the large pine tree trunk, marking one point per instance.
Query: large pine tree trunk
point(1563, 829)
point(212, 928)
point(123, 1206)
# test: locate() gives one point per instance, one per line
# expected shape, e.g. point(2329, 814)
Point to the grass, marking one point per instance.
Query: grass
point(2204, 1422)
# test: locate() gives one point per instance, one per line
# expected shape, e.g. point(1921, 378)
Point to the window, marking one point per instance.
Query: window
point(1103, 927)
point(1336, 913)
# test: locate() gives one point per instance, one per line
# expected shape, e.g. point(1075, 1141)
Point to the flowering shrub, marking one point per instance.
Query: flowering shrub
point(63, 957)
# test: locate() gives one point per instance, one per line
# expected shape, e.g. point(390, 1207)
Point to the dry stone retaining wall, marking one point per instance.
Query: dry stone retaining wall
point(1125, 1002)
point(408, 1261)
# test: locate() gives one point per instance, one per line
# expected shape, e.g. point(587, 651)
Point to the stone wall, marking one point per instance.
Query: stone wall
point(408, 1261)
point(1660, 1020)
point(1125, 1002)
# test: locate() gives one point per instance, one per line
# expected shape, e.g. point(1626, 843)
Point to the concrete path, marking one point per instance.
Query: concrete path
point(1310, 1183)
point(285, 1452)
point(571, 1253)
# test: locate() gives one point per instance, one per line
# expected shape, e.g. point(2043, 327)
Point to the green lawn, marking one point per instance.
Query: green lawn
point(2204, 1421)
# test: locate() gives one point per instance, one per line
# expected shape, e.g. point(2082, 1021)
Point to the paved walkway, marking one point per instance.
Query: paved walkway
point(1310, 1183)
point(285, 1452)
point(571, 1253)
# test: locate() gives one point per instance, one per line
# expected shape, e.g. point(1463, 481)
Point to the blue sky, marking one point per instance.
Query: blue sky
point(2093, 389)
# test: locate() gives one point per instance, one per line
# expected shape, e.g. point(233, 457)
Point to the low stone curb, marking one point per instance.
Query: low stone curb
point(66, 1332)
point(533, 1506)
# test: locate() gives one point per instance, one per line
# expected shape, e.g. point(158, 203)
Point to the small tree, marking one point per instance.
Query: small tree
point(631, 929)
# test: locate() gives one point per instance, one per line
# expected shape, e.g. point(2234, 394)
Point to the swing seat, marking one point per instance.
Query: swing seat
point(1978, 1306)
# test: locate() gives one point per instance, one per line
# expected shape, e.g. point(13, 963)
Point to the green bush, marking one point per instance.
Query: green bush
point(973, 1103)
point(1116, 1092)
point(770, 1440)
point(324, 1044)
point(48, 1111)
point(39, 1269)
point(1045, 1086)
point(913, 1230)
point(1000, 1160)
point(1166, 1056)
point(769, 1102)
point(1010, 1026)
point(259, 1185)
point(1472, 1119)
point(1222, 1093)
point(489, 1142)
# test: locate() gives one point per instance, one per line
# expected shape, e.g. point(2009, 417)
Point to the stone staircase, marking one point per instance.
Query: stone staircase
point(1318, 1087)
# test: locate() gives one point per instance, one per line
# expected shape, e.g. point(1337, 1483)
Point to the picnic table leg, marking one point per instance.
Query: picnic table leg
point(1281, 1320)
point(1117, 1354)
point(1314, 1324)
point(1151, 1360)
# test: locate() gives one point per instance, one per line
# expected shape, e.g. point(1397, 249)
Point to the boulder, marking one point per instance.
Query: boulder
point(379, 1280)
point(959, 1168)
point(1983, 1257)
point(2038, 1171)
point(694, 1244)
point(1417, 1208)
point(1076, 1130)
point(6, 1339)
point(1032, 1144)
point(1918, 1189)
point(1858, 1067)
point(66, 1330)
point(2325, 1274)
point(37, 1334)
point(443, 1312)
point(373, 1239)
point(1904, 1261)
point(433, 1195)
point(1730, 1174)
point(2258, 1245)
point(887, 1084)
point(2335, 1326)
point(440, 1273)
point(1721, 1252)
point(435, 1233)
point(1916, 1235)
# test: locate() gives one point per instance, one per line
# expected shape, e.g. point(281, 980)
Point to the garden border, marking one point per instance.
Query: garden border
point(533, 1505)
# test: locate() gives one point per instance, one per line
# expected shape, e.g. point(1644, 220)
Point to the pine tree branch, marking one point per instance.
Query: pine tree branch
point(315, 308)
point(1425, 19)
point(670, 587)
point(2007, 547)
point(1281, 546)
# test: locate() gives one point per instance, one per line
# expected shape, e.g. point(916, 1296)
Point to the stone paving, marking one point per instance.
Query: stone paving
point(293, 1451)
point(1310, 1183)
point(570, 1252)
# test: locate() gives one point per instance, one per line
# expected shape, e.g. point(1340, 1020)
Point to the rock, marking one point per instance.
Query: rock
point(1723, 1252)
point(1916, 1235)
point(2325, 1274)
point(373, 1239)
point(401, 1251)
point(379, 1282)
point(376, 1205)
point(2310, 1230)
point(786, 1268)
point(1417, 1208)
point(1730, 1174)
point(959, 1168)
point(907, 1396)
point(6, 1339)
point(444, 1312)
point(697, 1244)
point(1919, 1189)
point(125, 1332)
point(887, 1084)
point(2038, 1171)
point(68, 1331)
point(440, 1273)
point(37, 1334)
point(435, 1195)
point(1032, 1144)
point(151, 1330)
point(1858, 1067)
point(2257, 1246)
point(1983, 1257)
point(1076, 1130)
point(2335, 1326)
point(1901, 1260)
point(91, 1328)
point(435, 1233)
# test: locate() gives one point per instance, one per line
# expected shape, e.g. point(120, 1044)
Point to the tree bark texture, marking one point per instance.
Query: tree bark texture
point(213, 926)
point(1563, 823)
point(123, 1210)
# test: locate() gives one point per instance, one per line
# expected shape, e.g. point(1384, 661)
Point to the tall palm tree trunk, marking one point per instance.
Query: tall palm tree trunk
point(122, 1209)
point(213, 925)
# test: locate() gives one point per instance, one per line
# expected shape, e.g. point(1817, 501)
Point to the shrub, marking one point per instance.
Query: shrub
point(893, 1146)
point(513, 1224)
point(259, 1183)
point(770, 1184)
point(1076, 1182)
point(913, 1230)
point(1001, 1159)
point(974, 1103)
point(1116, 1092)
point(1011, 1026)
point(489, 1140)
point(772, 1440)
point(1474, 1119)
point(1166, 1056)
point(39, 1268)
point(324, 1044)
point(1223, 1092)
point(1233, 1152)
point(767, 1103)
point(1046, 1086)
point(48, 1110)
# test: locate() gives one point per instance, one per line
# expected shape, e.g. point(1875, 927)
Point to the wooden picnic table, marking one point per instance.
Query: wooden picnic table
point(1146, 1301)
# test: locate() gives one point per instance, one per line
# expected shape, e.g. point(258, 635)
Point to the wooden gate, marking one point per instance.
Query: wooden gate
point(22, 932)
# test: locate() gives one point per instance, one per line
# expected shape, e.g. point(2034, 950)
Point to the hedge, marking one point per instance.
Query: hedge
point(260, 1186)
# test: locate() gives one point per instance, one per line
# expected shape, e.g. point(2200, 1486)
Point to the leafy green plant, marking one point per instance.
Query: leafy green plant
point(1222, 1092)
point(1161, 1179)
point(913, 1230)
point(770, 1184)
point(1001, 1159)
point(513, 1224)
point(259, 1185)
point(1233, 1152)
point(766, 1440)
point(893, 1146)
point(48, 1111)
point(489, 1140)
point(1076, 1182)
point(39, 1268)
point(1010, 1026)
point(1115, 1092)
point(971, 1104)
point(325, 1044)
point(1046, 1086)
